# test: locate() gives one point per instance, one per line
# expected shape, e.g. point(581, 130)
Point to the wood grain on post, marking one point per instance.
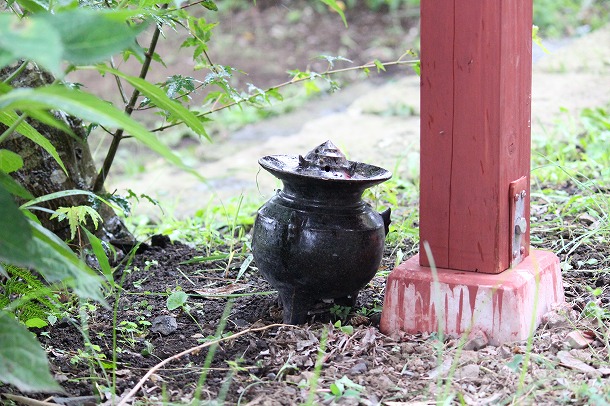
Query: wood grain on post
point(475, 129)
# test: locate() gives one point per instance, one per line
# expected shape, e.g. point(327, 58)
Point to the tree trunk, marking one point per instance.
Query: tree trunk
point(42, 175)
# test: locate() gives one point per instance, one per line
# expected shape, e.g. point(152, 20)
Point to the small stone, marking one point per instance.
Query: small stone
point(553, 319)
point(577, 340)
point(164, 325)
point(476, 341)
point(359, 368)
point(469, 371)
point(505, 352)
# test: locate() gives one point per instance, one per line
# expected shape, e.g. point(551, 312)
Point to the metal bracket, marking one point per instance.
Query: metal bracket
point(519, 223)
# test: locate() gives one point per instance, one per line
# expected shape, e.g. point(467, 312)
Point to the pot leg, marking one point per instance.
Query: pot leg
point(295, 307)
point(349, 300)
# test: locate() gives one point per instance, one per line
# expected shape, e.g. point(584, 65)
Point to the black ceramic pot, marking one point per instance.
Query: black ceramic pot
point(316, 239)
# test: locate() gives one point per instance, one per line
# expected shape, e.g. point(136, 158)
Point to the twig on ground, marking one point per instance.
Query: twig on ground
point(151, 371)
point(27, 401)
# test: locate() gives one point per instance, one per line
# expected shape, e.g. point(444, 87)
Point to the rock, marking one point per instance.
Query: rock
point(164, 325)
point(476, 341)
point(469, 371)
point(553, 319)
point(75, 401)
point(578, 340)
point(568, 360)
point(359, 368)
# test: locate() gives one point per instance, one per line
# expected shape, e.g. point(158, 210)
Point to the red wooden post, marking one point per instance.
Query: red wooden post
point(475, 161)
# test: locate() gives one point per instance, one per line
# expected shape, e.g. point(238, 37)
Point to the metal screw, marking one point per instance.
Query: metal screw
point(522, 250)
point(515, 254)
point(517, 195)
point(523, 194)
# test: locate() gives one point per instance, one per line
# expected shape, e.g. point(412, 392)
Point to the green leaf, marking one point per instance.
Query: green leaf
point(537, 40)
point(176, 299)
point(76, 215)
point(23, 362)
point(333, 4)
point(13, 187)
point(87, 107)
point(10, 161)
point(57, 195)
point(36, 322)
point(161, 100)
point(210, 5)
point(9, 117)
point(380, 67)
point(100, 254)
point(90, 36)
point(15, 234)
point(33, 39)
point(417, 68)
point(56, 262)
point(34, 6)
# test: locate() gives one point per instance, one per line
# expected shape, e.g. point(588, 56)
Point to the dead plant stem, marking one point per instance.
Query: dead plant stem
point(151, 371)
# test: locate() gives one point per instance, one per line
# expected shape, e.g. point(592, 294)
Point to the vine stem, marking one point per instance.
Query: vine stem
point(291, 82)
point(117, 137)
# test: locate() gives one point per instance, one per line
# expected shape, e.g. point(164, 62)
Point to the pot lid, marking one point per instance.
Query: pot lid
point(324, 162)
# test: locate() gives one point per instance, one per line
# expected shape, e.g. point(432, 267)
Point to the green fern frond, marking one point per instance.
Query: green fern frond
point(23, 283)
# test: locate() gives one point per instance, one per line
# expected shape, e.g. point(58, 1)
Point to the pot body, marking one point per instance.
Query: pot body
point(327, 244)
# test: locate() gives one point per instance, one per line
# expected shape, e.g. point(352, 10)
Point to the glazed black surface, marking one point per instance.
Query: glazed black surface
point(316, 239)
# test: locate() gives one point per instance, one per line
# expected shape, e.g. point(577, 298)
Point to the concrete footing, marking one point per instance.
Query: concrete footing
point(507, 306)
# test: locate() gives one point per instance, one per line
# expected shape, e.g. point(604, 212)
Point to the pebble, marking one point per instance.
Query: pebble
point(476, 341)
point(553, 319)
point(577, 340)
point(469, 371)
point(359, 368)
point(164, 325)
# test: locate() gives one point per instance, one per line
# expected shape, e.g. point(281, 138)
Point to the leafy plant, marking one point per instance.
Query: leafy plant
point(176, 299)
point(344, 387)
point(34, 307)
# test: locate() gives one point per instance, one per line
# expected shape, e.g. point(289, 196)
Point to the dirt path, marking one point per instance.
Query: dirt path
point(372, 121)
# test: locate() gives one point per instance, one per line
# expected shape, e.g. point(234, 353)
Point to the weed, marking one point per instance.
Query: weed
point(340, 312)
point(315, 377)
point(344, 388)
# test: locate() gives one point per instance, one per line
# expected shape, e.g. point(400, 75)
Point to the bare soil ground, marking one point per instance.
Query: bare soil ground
point(258, 361)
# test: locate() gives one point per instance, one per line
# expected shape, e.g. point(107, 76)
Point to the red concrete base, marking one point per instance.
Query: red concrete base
point(501, 305)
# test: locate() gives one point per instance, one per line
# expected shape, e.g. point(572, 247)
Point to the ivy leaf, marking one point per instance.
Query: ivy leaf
point(23, 362)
